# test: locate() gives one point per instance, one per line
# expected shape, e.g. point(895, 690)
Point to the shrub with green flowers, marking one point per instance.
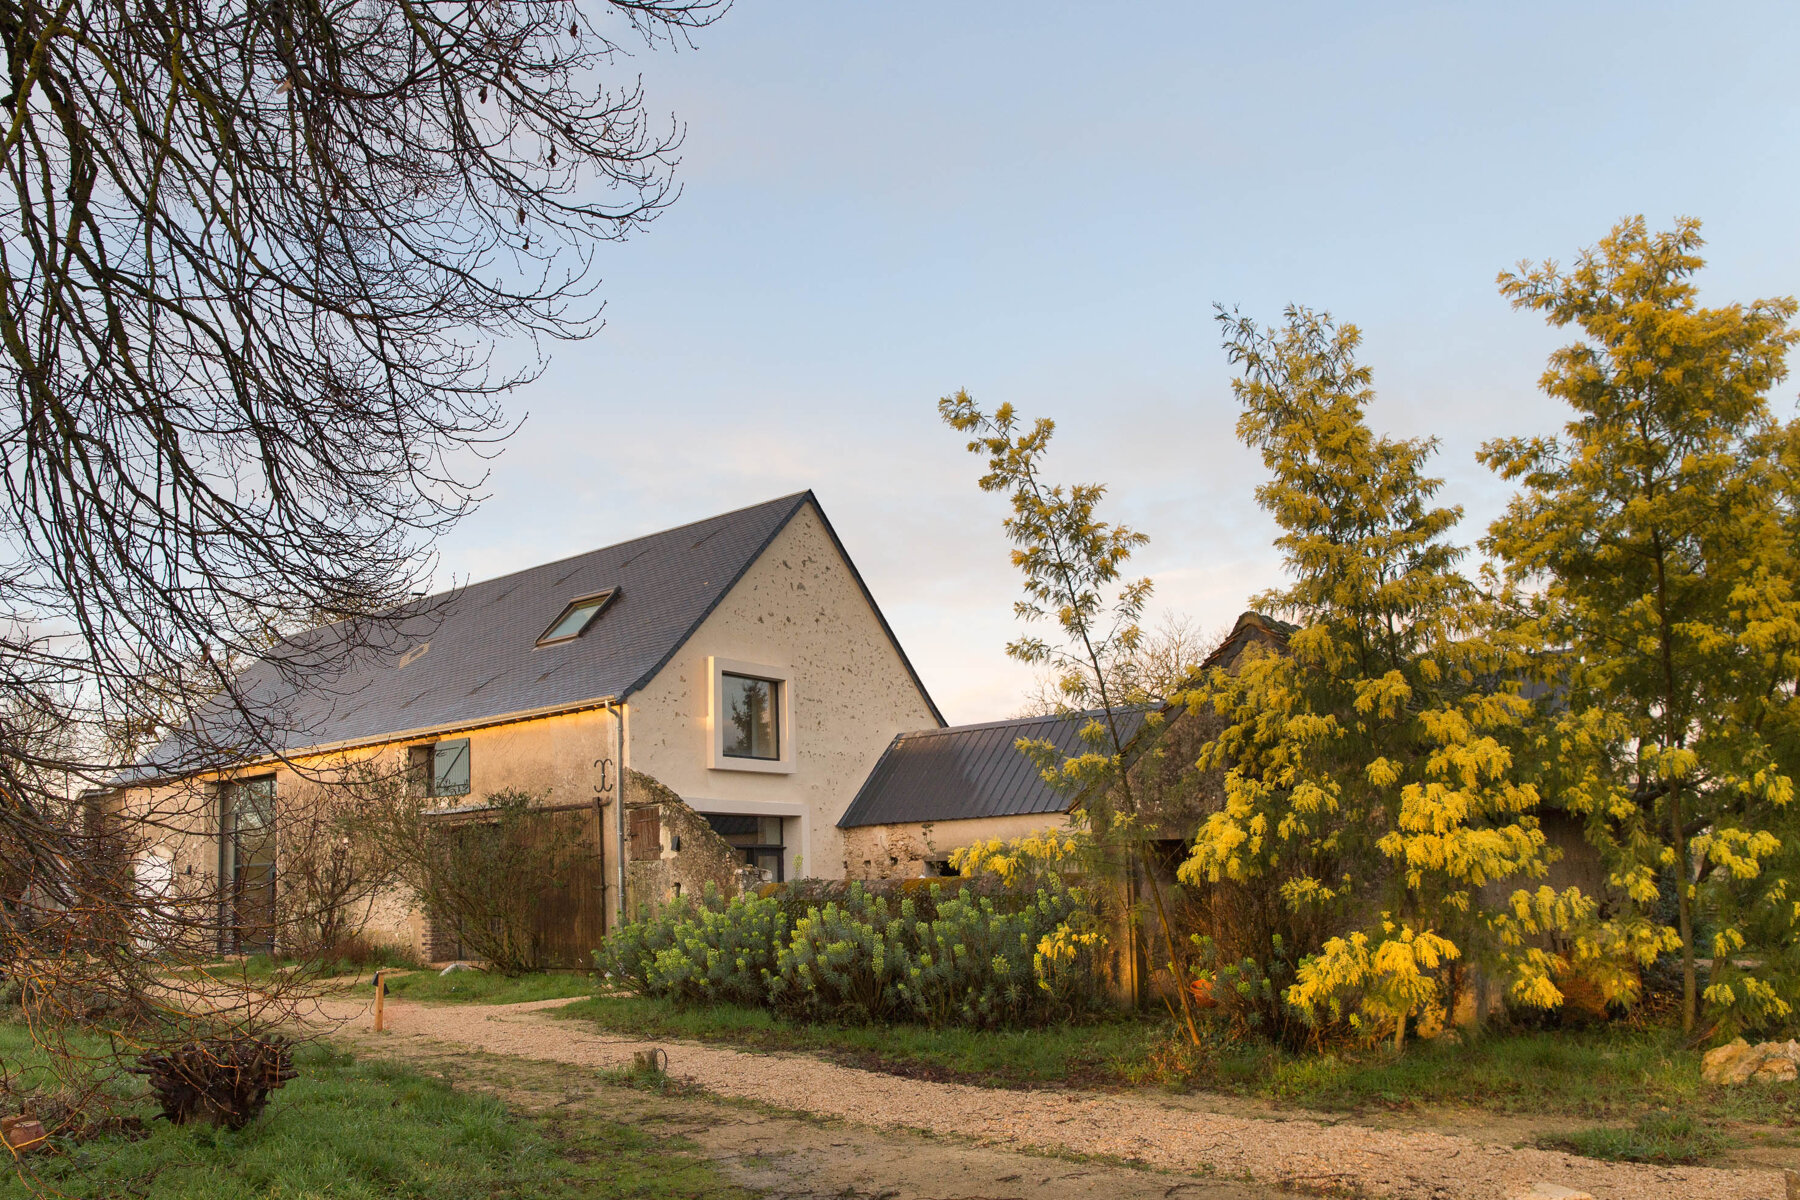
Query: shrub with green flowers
point(849, 960)
point(983, 963)
point(720, 953)
point(628, 953)
point(975, 953)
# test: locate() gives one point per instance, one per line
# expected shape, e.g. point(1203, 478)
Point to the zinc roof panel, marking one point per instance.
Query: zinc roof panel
point(968, 771)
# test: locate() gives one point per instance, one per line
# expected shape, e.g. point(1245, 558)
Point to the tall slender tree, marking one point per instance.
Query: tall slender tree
point(1650, 562)
point(1073, 566)
point(1369, 773)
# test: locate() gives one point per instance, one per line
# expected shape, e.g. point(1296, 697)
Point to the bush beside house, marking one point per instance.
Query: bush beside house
point(963, 954)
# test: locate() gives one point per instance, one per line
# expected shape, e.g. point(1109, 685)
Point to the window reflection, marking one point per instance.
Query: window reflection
point(752, 718)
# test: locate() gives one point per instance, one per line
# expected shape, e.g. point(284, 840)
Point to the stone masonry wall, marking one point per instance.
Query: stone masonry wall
point(690, 855)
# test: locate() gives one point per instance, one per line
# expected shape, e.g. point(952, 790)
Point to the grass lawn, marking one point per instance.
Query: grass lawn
point(1092, 1055)
point(479, 987)
point(1610, 1074)
point(365, 1128)
point(1604, 1072)
point(472, 986)
point(1655, 1137)
point(257, 967)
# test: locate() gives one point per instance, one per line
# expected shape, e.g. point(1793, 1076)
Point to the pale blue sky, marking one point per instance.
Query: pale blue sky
point(1040, 202)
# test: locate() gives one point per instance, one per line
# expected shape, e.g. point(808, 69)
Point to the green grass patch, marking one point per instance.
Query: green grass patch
point(258, 967)
point(365, 1129)
point(1600, 1074)
point(1656, 1137)
point(480, 987)
point(1085, 1055)
point(1603, 1073)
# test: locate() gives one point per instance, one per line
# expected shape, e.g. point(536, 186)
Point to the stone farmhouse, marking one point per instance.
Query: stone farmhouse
point(725, 698)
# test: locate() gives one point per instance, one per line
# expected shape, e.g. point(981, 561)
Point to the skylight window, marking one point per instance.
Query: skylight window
point(574, 620)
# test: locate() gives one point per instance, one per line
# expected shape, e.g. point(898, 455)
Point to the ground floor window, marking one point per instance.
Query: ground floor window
point(247, 864)
point(757, 840)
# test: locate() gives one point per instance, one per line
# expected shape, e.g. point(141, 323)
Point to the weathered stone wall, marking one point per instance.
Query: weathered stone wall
point(552, 757)
point(689, 858)
point(910, 850)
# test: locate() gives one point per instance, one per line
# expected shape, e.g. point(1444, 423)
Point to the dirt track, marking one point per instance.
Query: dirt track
point(1284, 1151)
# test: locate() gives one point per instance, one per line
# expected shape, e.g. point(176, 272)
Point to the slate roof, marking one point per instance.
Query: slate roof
point(1251, 629)
point(481, 660)
point(968, 771)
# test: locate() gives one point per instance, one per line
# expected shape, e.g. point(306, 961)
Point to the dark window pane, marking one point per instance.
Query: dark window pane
point(745, 832)
point(255, 803)
point(729, 825)
point(247, 861)
point(767, 861)
point(751, 718)
point(450, 768)
point(418, 770)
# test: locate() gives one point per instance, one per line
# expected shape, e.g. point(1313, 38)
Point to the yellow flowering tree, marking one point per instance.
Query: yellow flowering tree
point(1371, 794)
point(1649, 564)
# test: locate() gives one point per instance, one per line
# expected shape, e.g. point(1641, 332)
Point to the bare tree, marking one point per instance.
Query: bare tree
point(252, 262)
point(485, 869)
point(331, 876)
point(1152, 672)
point(255, 259)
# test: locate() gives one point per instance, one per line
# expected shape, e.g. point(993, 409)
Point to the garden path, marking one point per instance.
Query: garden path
point(1289, 1151)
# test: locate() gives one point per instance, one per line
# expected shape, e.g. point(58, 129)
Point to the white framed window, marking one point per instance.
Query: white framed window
point(750, 717)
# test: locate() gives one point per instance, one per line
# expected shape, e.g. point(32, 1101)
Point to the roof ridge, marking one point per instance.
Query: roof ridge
point(423, 602)
point(800, 500)
point(642, 537)
point(1004, 721)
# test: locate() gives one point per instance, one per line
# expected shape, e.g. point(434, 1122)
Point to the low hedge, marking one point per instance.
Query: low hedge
point(972, 953)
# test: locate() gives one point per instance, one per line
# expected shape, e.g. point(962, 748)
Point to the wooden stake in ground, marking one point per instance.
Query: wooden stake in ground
point(380, 998)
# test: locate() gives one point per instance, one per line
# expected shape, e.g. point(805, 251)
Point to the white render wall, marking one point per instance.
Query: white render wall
point(797, 611)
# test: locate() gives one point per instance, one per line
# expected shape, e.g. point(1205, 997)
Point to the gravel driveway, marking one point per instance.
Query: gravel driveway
point(1291, 1151)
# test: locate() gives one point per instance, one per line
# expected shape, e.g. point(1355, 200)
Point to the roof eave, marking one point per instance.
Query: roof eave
point(381, 739)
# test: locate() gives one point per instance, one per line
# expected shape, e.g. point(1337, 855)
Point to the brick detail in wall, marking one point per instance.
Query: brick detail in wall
point(437, 939)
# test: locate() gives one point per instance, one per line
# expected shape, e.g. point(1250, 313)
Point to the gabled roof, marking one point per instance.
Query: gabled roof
point(1251, 629)
point(969, 771)
point(474, 658)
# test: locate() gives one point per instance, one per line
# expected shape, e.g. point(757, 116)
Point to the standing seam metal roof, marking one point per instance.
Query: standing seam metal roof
point(969, 771)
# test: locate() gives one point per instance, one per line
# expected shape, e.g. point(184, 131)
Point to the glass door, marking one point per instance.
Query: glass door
point(757, 839)
point(247, 862)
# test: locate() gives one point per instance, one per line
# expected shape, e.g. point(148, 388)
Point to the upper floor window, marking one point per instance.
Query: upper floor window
point(752, 712)
point(440, 768)
point(750, 717)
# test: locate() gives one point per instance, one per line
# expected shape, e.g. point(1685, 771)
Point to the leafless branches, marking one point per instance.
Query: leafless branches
point(252, 260)
point(255, 259)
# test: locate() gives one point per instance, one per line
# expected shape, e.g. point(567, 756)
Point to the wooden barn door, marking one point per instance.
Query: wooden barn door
point(569, 919)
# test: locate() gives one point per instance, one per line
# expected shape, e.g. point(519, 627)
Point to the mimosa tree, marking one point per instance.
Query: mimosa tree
point(1369, 775)
point(1650, 561)
point(1073, 567)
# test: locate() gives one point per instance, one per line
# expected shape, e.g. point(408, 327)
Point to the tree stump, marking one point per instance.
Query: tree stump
point(220, 1080)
